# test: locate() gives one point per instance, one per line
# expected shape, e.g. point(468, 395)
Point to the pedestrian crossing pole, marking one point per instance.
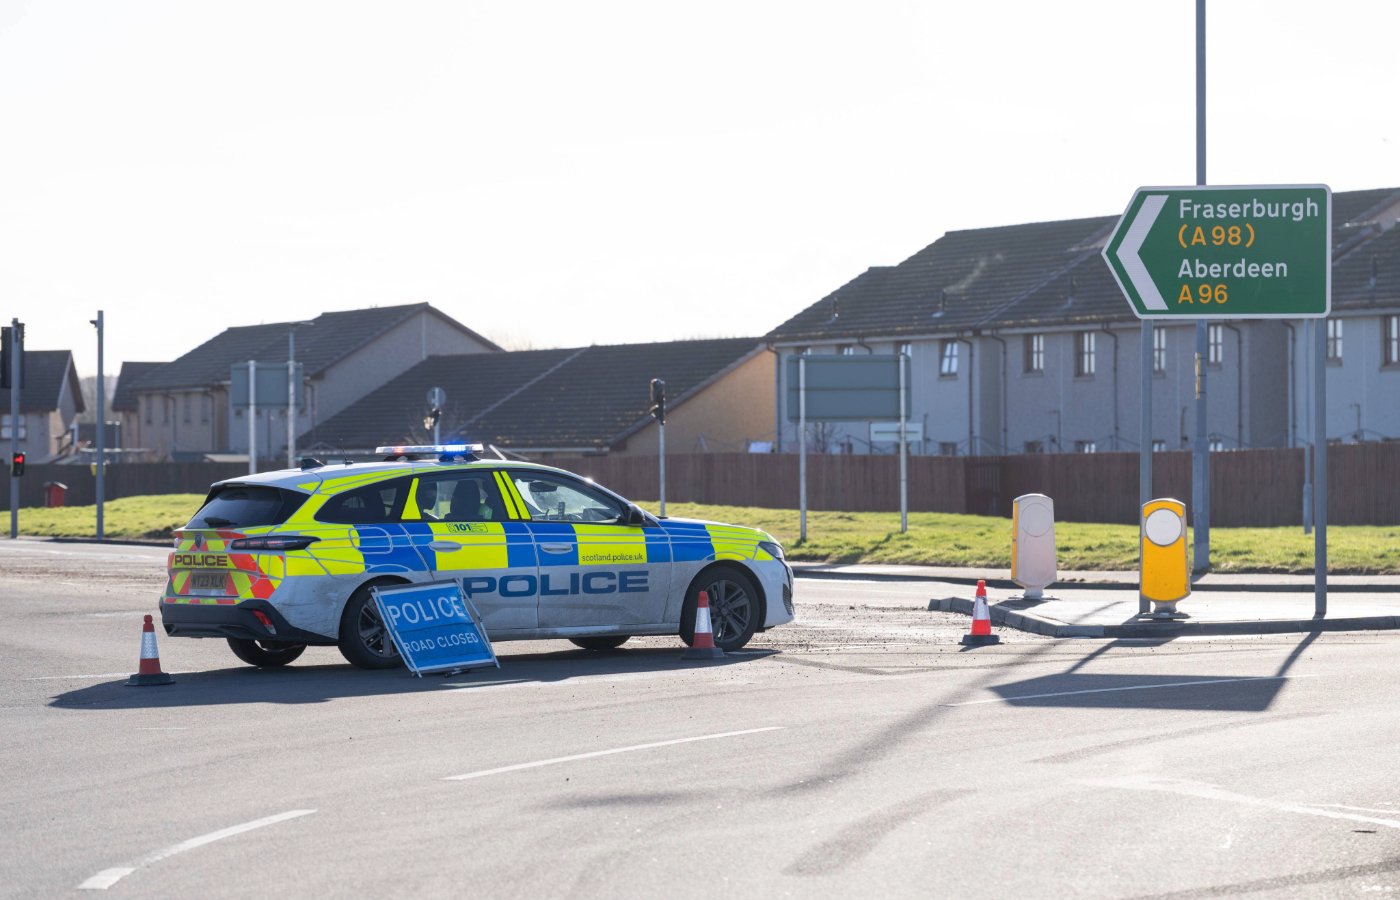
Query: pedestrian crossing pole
point(658, 411)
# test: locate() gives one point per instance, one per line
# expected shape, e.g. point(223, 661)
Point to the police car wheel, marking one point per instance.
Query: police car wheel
point(264, 654)
point(735, 607)
point(600, 643)
point(363, 639)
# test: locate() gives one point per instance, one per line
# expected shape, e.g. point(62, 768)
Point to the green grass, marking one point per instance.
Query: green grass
point(131, 518)
point(939, 539)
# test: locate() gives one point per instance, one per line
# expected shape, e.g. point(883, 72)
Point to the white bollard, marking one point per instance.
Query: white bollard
point(1033, 561)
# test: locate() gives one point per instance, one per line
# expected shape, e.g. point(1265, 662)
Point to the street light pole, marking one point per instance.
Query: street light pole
point(101, 427)
point(291, 397)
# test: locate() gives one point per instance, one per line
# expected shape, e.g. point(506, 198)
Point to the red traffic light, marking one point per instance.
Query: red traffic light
point(17, 465)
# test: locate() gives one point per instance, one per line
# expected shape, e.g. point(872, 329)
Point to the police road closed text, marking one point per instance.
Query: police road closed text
point(415, 611)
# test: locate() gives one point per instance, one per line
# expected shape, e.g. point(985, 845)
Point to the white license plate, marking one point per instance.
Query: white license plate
point(210, 583)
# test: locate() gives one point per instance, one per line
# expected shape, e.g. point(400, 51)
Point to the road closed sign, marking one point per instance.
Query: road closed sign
point(435, 628)
point(1232, 252)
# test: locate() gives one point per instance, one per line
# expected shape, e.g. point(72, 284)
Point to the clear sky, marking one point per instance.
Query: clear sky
point(564, 173)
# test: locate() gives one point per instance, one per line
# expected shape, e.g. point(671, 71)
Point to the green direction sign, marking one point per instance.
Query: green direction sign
point(1229, 252)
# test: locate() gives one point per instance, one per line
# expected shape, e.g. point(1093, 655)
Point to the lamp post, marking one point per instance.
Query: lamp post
point(292, 391)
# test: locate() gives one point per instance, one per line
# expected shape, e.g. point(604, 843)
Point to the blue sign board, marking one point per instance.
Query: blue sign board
point(434, 627)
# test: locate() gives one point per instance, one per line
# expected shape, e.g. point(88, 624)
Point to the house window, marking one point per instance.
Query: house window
point(1334, 340)
point(948, 359)
point(1084, 353)
point(1215, 344)
point(1086, 447)
point(1216, 445)
point(1034, 447)
point(1035, 353)
point(1159, 351)
point(1390, 340)
point(1159, 446)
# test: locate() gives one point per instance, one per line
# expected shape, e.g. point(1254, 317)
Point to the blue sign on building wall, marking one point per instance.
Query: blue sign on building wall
point(434, 627)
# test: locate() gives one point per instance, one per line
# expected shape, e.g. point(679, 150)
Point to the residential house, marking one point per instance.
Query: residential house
point(586, 400)
point(1021, 341)
point(50, 399)
point(126, 408)
point(184, 407)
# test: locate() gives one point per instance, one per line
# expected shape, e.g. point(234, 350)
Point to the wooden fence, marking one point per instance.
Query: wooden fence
point(1248, 487)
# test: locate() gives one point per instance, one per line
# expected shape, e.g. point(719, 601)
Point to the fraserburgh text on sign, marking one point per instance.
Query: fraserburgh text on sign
point(1228, 252)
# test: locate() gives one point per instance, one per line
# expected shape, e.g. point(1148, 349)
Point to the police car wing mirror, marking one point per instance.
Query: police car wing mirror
point(637, 517)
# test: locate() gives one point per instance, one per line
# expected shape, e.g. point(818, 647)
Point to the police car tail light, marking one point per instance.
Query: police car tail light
point(266, 622)
point(278, 543)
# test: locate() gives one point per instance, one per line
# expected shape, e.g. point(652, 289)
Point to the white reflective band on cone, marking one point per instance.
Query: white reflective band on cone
point(148, 645)
point(702, 620)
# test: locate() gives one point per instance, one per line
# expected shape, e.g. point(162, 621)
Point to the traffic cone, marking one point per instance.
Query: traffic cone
point(981, 632)
point(149, 673)
point(702, 645)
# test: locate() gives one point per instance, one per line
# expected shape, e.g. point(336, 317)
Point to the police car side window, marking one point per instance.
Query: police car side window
point(554, 499)
point(373, 504)
point(461, 497)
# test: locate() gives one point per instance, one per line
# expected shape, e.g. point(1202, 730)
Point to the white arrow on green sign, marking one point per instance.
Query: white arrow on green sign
point(1228, 252)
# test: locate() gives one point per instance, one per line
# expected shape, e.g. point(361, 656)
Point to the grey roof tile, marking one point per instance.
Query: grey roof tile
point(45, 372)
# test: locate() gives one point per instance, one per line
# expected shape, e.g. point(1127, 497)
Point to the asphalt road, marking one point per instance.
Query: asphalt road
point(861, 751)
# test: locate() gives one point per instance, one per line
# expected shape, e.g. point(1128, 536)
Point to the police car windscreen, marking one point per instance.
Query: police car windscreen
point(246, 505)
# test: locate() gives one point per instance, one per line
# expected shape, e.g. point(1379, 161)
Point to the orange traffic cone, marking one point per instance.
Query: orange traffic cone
point(981, 632)
point(149, 673)
point(702, 646)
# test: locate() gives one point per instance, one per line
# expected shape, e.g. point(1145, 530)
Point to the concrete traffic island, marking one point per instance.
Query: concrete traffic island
point(1114, 614)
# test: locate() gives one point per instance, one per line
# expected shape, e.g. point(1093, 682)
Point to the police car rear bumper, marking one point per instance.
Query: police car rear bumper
point(234, 621)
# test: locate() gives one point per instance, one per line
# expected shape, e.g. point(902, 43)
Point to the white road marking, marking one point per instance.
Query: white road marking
point(108, 877)
point(1130, 687)
point(596, 753)
point(1211, 792)
point(75, 677)
point(1395, 812)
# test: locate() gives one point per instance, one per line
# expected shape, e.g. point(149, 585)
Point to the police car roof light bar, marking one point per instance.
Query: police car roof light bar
point(444, 452)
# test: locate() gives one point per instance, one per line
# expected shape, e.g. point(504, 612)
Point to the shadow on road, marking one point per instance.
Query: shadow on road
point(318, 684)
point(1084, 690)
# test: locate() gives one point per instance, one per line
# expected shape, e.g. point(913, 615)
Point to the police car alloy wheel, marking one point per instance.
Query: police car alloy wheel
point(364, 640)
point(735, 608)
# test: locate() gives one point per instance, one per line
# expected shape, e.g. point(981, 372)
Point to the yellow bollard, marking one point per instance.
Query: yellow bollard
point(1165, 575)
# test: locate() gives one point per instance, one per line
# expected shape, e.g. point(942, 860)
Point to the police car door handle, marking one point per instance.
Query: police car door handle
point(444, 546)
point(556, 548)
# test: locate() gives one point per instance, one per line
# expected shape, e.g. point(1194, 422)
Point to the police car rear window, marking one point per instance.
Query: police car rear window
point(246, 505)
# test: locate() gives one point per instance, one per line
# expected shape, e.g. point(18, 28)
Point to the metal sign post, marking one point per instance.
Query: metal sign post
point(903, 448)
point(291, 398)
point(1145, 450)
point(252, 417)
point(1320, 472)
point(101, 428)
point(802, 447)
point(16, 350)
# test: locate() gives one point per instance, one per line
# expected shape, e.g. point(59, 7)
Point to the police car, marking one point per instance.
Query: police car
point(279, 561)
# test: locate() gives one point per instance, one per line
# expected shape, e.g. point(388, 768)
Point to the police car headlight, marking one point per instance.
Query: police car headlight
point(772, 548)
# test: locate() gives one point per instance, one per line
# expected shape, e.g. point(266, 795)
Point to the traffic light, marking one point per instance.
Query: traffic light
point(8, 347)
point(658, 400)
point(17, 465)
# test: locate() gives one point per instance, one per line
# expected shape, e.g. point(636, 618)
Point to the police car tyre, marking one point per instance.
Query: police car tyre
point(736, 608)
point(265, 654)
point(611, 642)
point(364, 641)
